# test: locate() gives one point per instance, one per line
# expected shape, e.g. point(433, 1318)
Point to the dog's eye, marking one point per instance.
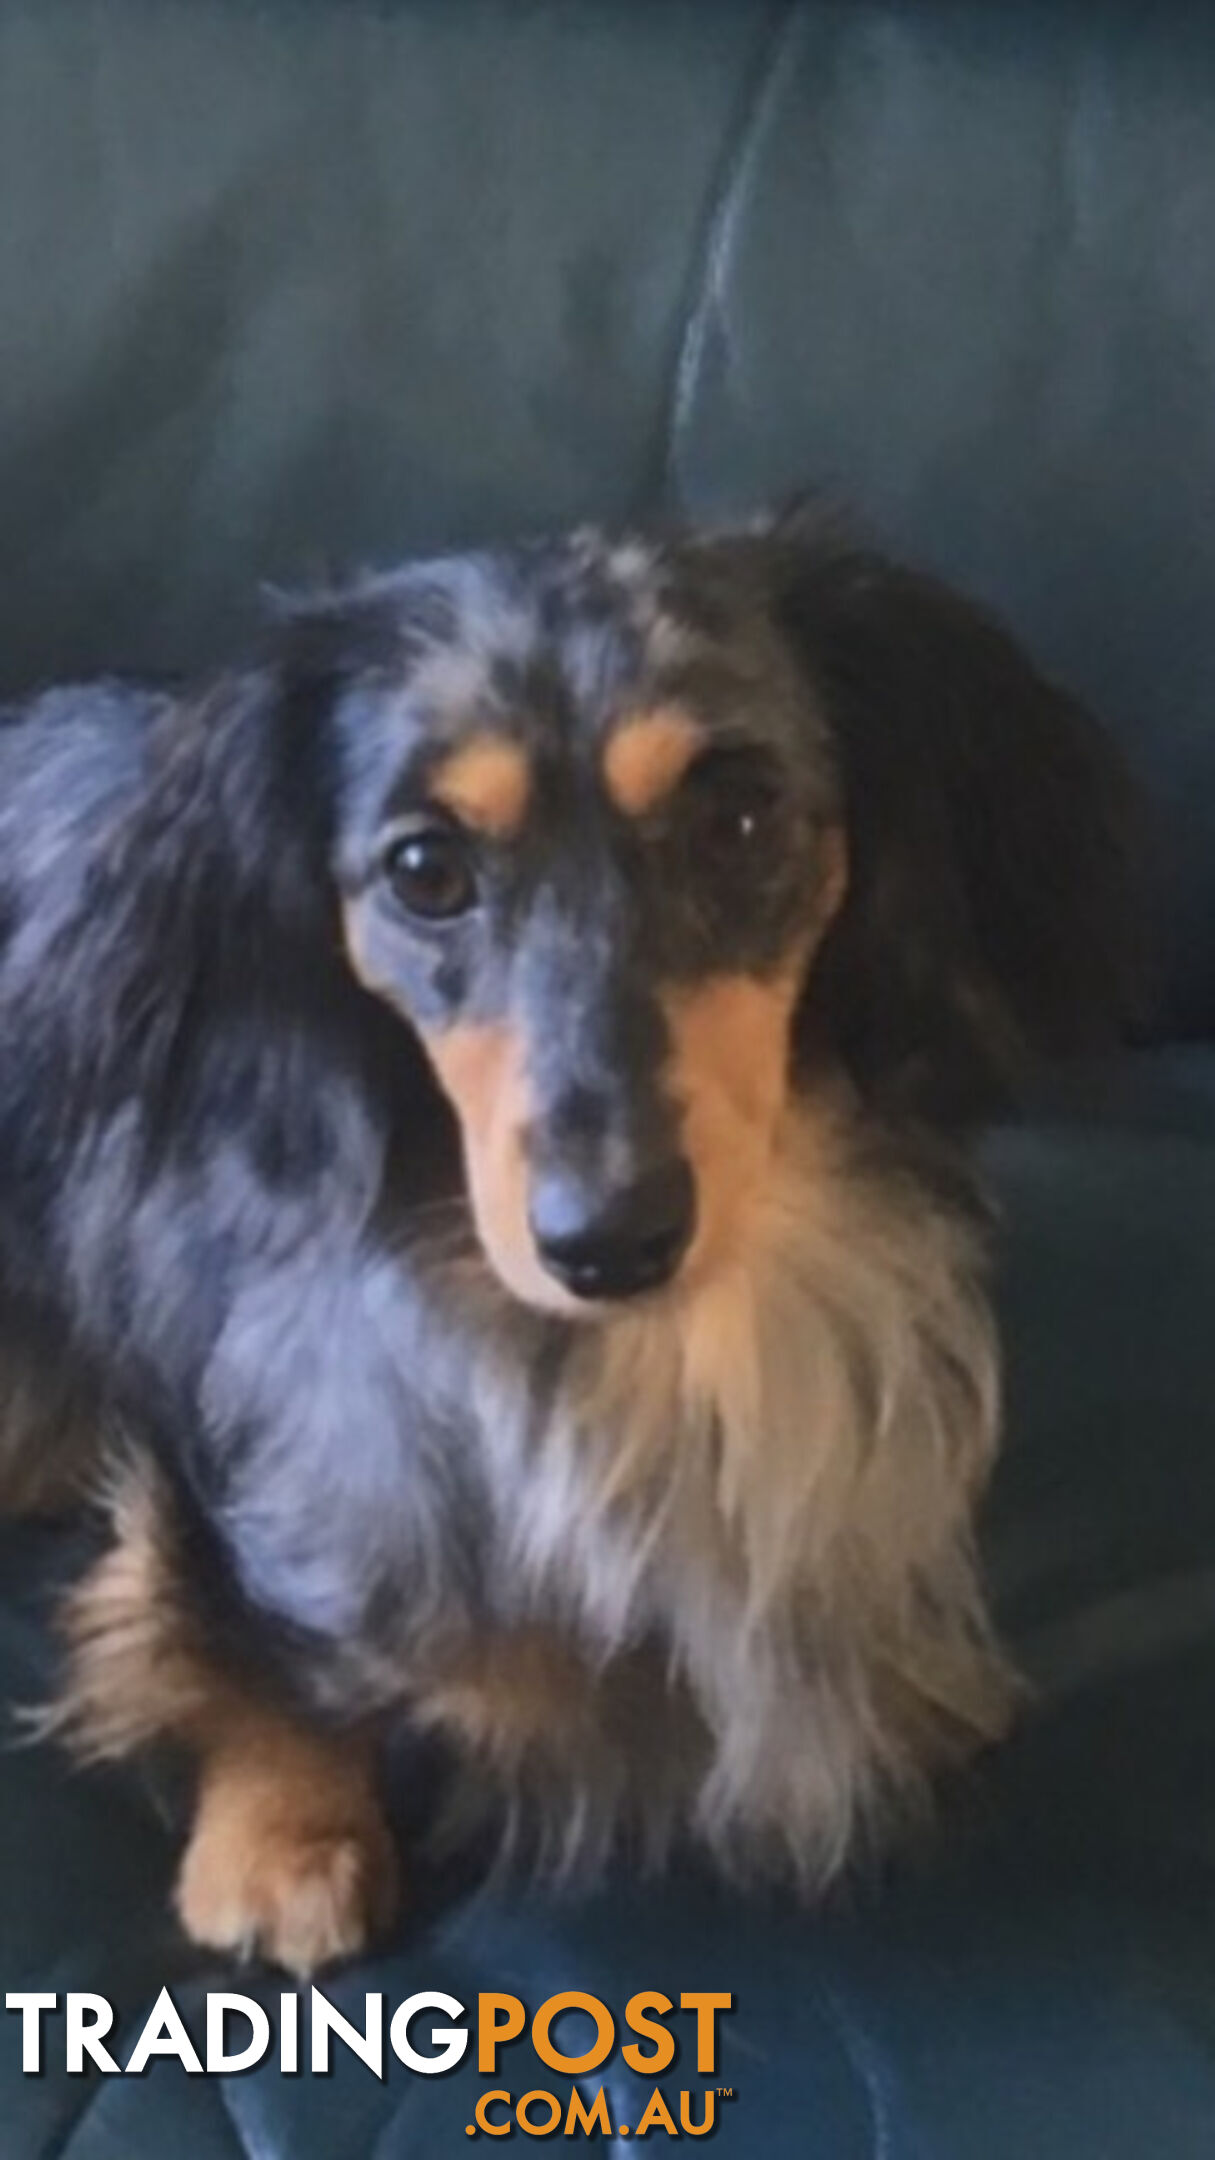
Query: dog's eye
point(734, 802)
point(430, 873)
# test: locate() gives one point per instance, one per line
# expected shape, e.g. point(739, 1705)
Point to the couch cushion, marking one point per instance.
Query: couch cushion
point(1038, 1977)
point(287, 285)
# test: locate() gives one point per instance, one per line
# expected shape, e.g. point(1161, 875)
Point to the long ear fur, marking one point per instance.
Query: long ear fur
point(991, 920)
point(202, 975)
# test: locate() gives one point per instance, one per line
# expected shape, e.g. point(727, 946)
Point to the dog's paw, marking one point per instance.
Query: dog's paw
point(286, 1864)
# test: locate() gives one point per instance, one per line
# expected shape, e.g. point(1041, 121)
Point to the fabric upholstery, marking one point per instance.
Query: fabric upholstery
point(291, 285)
point(287, 285)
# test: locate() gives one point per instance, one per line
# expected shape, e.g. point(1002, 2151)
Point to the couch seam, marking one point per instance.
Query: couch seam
point(867, 2066)
point(715, 243)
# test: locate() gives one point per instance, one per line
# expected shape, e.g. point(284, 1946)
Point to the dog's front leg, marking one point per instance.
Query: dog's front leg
point(289, 1852)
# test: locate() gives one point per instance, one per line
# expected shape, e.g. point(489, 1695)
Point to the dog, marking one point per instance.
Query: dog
point(486, 1187)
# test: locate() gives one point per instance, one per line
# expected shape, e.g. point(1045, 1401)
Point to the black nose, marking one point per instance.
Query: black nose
point(615, 1248)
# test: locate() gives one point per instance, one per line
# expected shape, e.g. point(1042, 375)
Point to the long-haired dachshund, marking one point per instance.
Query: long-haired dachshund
point(482, 1135)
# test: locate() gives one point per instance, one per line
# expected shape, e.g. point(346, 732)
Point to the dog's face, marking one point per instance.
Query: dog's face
point(590, 838)
point(635, 836)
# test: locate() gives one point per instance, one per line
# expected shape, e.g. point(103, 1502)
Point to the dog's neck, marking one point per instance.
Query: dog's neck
point(770, 1483)
point(825, 1405)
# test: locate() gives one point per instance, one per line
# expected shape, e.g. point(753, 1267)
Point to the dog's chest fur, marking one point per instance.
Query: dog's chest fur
point(746, 1512)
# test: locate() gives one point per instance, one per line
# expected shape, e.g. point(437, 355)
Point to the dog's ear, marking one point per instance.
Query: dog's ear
point(195, 891)
point(991, 919)
point(202, 973)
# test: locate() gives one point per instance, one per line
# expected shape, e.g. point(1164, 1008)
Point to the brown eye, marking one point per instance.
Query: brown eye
point(430, 874)
point(735, 802)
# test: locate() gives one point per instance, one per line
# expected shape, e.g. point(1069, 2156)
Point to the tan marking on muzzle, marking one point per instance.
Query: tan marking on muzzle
point(729, 1071)
point(729, 1074)
point(647, 755)
point(483, 1072)
point(486, 784)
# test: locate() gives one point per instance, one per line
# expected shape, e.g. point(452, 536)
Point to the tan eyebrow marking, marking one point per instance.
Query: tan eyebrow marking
point(486, 783)
point(647, 756)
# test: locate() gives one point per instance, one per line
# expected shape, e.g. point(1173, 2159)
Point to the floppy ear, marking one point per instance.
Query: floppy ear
point(194, 895)
point(991, 920)
point(202, 973)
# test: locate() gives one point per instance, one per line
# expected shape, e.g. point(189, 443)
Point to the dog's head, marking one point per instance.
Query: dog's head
point(638, 837)
point(590, 838)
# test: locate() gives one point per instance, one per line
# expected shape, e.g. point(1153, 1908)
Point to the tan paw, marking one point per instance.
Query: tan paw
point(289, 1859)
